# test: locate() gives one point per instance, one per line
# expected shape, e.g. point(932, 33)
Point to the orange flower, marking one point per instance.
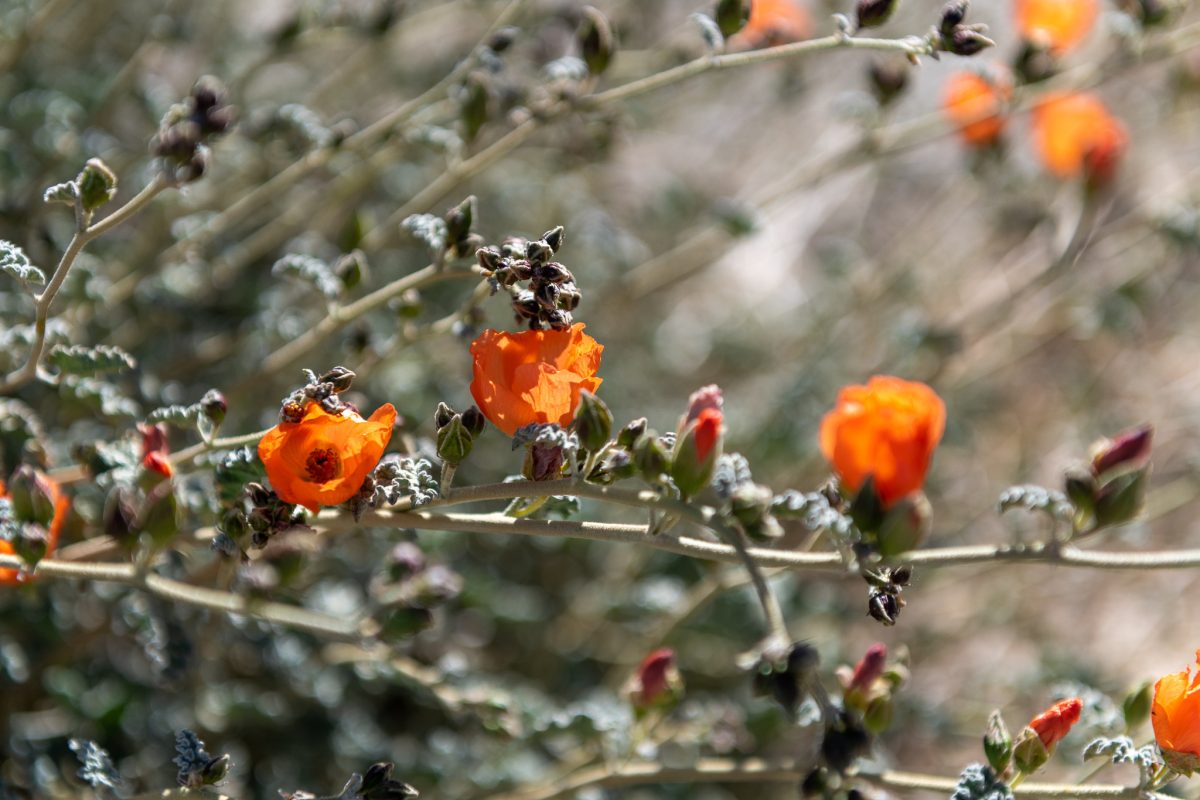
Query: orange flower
point(1176, 719)
point(887, 429)
point(1057, 25)
point(533, 376)
point(62, 505)
point(323, 459)
point(1074, 132)
point(975, 105)
point(774, 22)
point(1054, 723)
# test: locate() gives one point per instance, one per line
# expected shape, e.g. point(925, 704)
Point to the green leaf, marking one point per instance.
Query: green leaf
point(235, 469)
point(1036, 499)
point(311, 270)
point(710, 31)
point(179, 416)
point(81, 360)
point(100, 396)
point(397, 478)
point(429, 229)
point(97, 184)
point(14, 261)
point(98, 769)
point(65, 193)
point(978, 782)
point(814, 511)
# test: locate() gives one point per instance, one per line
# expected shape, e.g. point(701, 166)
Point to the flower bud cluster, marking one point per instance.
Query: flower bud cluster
point(869, 687)
point(456, 433)
point(182, 141)
point(688, 458)
point(324, 389)
point(551, 294)
point(1112, 488)
point(956, 36)
point(262, 514)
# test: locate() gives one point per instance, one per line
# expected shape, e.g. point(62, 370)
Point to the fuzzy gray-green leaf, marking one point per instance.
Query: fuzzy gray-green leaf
point(81, 360)
point(14, 262)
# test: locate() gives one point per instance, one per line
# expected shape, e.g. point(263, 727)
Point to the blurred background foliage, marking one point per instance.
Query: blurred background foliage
point(730, 230)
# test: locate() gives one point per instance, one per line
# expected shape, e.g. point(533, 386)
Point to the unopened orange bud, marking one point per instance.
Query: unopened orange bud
point(1054, 723)
point(155, 461)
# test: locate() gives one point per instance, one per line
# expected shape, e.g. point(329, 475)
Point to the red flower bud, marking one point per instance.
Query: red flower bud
point(704, 399)
point(869, 668)
point(154, 439)
point(1127, 448)
point(656, 679)
point(1054, 723)
point(708, 428)
point(156, 461)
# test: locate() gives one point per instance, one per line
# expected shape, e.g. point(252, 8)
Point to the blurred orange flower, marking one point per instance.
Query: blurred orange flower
point(1057, 25)
point(62, 505)
point(1175, 716)
point(1075, 133)
point(323, 459)
point(774, 22)
point(975, 105)
point(887, 429)
point(533, 376)
point(1054, 723)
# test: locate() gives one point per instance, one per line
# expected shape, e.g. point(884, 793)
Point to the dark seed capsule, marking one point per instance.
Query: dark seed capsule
point(557, 320)
point(489, 258)
point(538, 252)
point(553, 272)
point(554, 238)
point(547, 295)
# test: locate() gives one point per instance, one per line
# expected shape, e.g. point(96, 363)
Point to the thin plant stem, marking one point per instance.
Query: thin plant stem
point(361, 141)
point(84, 233)
point(762, 771)
point(129, 574)
point(911, 45)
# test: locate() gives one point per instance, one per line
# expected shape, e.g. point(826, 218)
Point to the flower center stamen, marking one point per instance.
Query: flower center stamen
point(323, 465)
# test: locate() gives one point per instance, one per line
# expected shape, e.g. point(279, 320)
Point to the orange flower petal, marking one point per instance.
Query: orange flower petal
point(62, 506)
point(974, 104)
point(1055, 722)
point(1057, 25)
point(1068, 128)
point(323, 459)
point(887, 429)
point(1175, 715)
point(533, 376)
point(773, 22)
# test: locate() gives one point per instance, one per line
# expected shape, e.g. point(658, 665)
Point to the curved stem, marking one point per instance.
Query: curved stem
point(344, 315)
point(360, 141)
point(84, 233)
point(190, 454)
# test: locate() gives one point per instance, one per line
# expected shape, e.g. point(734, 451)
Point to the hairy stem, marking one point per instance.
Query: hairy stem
point(84, 233)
